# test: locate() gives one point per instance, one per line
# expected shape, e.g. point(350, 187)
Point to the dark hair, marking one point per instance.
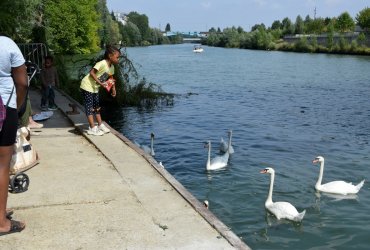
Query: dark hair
point(49, 58)
point(110, 49)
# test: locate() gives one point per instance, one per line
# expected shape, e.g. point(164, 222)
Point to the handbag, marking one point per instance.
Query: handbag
point(3, 109)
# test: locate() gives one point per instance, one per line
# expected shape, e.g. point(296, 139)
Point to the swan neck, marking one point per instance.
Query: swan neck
point(229, 144)
point(209, 156)
point(152, 146)
point(319, 180)
point(269, 196)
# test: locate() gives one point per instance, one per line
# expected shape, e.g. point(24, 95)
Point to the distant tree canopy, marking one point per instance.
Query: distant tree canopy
point(270, 38)
point(19, 18)
point(72, 26)
point(363, 19)
point(345, 22)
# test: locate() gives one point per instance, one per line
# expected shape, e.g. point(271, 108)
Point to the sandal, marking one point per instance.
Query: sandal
point(9, 213)
point(15, 227)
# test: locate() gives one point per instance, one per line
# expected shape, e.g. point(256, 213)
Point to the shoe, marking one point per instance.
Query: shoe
point(15, 227)
point(35, 125)
point(104, 128)
point(9, 213)
point(53, 107)
point(95, 131)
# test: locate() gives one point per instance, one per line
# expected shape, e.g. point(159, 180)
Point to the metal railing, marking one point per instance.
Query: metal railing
point(34, 52)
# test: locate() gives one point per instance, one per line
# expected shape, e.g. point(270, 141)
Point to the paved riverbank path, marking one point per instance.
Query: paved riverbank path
point(100, 193)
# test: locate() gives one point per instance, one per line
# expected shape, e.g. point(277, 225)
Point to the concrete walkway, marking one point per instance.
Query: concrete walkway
point(92, 192)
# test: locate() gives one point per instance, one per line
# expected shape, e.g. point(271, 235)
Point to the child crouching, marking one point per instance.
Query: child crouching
point(99, 76)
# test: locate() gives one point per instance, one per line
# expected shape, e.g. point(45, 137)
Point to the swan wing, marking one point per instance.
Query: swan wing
point(231, 151)
point(285, 210)
point(223, 145)
point(339, 187)
point(219, 162)
point(146, 149)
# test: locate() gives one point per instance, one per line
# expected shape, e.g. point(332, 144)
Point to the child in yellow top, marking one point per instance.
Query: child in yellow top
point(90, 85)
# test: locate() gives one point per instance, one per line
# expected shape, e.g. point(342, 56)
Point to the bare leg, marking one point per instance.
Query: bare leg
point(6, 153)
point(98, 119)
point(90, 119)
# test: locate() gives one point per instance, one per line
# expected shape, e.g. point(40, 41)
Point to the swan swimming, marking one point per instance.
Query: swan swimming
point(145, 148)
point(335, 187)
point(224, 146)
point(218, 162)
point(281, 209)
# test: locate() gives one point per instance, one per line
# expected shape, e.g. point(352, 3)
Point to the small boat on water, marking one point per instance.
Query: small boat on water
point(198, 49)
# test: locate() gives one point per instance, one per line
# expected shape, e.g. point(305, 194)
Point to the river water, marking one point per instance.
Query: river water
point(284, 109)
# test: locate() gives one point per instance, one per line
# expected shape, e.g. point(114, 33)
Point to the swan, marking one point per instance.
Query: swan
point(224, 146)
point(217, 162)
point(281, 209)
point(335, 187)
point(146, 149)
point(206, 204)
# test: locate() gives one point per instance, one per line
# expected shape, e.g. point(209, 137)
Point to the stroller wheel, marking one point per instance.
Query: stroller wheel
point(19, 183)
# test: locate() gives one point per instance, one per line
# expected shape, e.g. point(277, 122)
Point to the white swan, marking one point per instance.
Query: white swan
point(224, 146)
point(335, 187)
point(281, 209)
point(217, 162)
point(145, 148)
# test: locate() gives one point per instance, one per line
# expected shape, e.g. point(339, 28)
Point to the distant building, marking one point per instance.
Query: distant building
point(121, 17)
point(203, 34)
point(193, 34)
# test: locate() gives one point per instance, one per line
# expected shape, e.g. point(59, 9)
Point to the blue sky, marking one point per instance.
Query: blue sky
point(201, 15)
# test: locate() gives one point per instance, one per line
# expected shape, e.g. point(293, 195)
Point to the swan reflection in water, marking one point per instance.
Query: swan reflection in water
point(336, 197)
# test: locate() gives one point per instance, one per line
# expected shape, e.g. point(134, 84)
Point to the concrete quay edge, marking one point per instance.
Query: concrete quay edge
point(103, 192)
point(225, 231)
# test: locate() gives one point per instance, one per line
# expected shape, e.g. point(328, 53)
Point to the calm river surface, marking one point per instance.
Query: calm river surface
point(284, 109)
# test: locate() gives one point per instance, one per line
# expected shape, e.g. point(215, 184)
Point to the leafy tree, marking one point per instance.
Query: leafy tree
point(131, 35)
point(330, 37)
point(142, 22)
point(72, 27)
point(261, 39)
point(213, 39)
point(343, 44)
point(345, 22)
point(316, 26)
point(302, 45)
point(313, 42)
point(168, 28)
point(18, 18)
point(212, 30)
point(361, 39)
point(258, 26)
point(363, 19)
point(307, 24)
point(157, 37)
point(232, 36)
point(287, 26)
point(299, 25)
point(276, 25)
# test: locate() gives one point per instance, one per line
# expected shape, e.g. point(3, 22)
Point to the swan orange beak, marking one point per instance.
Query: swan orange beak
point(264, 171)
point(315, 161)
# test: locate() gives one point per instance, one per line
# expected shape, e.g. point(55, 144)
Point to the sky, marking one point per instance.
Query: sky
point(201, 15)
